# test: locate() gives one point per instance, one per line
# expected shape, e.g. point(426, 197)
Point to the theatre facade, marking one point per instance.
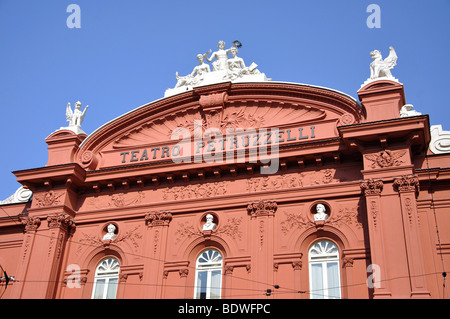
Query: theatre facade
point(237, 186)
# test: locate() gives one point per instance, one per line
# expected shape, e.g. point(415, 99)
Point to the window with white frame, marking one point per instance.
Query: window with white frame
point(208, 277)
point(106, 279)
point(324, 273)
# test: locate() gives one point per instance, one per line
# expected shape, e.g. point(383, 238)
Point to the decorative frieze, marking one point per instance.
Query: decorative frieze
point(195, 191)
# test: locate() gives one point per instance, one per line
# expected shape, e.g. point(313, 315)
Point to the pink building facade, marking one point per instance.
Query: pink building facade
point(264, 190)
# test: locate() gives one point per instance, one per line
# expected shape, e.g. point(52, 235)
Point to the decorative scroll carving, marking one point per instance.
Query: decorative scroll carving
point(372, 186)
point(50, 198)
point(158, 219)
point(262, 208)
point(407, 183)
point(386, 158)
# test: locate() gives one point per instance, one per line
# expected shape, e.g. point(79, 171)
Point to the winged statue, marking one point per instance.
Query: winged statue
point(382, 68)
point(75, 117)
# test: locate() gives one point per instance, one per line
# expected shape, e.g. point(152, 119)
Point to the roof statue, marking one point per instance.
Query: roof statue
point(407, 110)
point(75, 118)
point(381, 69)
point(222, 69)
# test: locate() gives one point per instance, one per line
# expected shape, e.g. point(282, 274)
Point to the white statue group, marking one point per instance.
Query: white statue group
point(223, 68)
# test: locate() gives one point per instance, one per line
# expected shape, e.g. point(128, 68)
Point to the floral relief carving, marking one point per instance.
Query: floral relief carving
point(286, 181)
point(116, 200)
point(132, 237)
point(195, 191)
point(231, 228)
point(345, 216)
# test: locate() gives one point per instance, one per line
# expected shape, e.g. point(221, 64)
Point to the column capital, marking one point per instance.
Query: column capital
point(372, 186)
point(408, 183)
point(158, 218)
point(262, 208)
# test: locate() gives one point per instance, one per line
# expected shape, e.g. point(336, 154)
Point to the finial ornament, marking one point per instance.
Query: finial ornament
point(223, 69)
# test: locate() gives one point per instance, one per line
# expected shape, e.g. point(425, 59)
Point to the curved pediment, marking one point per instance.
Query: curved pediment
point(297, 112)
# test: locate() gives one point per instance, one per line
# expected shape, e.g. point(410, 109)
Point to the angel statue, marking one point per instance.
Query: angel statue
point(382, 68)
point(76, 117)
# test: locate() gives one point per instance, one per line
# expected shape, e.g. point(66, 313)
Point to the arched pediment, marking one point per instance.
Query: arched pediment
point(146, 134)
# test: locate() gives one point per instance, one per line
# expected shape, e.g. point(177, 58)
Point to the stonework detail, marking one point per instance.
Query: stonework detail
point(31, 223)
point(386, 158)
point(407, 183)
point(195, 191)
point(262, 208)
point(122, 199)
point(372, 186)
point(158, 219)
point(60, 220)
point(50, 198)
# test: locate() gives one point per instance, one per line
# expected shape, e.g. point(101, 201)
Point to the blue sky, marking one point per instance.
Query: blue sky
point(126, 54)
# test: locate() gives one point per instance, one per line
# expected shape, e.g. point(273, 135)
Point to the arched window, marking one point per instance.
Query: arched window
point(208, 275)
point(324, 274)
point(106, 279)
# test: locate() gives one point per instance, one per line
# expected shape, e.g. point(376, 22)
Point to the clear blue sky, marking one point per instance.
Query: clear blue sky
point(126, 54)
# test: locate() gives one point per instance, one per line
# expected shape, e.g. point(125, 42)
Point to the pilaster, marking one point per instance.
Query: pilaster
point(262, 248)
point(372, 189)
point(408, 188)
point(155, 240)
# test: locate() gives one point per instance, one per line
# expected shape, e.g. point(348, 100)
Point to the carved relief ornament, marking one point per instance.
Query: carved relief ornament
point(31, 223)
point(262, 208)
point(372, 186)
point(407, 183)
point(60, 220)
point(158, 219)
point(385, 159)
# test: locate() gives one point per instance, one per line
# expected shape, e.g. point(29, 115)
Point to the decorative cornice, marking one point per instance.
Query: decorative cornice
point(372, 186)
